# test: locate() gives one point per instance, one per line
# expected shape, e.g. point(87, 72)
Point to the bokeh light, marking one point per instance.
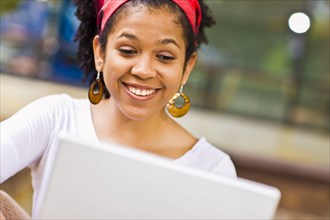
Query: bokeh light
point(299, 22)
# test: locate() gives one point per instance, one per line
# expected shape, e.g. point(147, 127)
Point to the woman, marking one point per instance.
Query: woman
point(142, 53)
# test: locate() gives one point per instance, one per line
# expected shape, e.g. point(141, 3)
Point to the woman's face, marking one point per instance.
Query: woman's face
point(143, 63)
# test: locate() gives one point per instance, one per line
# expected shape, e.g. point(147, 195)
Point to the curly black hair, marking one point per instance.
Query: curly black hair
point(87, 14)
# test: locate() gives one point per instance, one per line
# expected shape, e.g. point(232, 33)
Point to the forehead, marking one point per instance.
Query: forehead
point(144, 20)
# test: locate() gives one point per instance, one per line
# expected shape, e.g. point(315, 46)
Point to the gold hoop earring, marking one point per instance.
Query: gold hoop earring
point(95, 92)
point(178, 111)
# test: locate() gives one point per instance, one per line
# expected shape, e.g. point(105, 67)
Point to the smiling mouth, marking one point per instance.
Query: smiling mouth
point(143, 92)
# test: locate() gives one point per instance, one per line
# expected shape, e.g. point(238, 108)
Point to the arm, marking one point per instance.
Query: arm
point(25, 135)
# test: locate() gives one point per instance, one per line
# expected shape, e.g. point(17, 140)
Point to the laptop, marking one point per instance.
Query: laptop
point(89, 180)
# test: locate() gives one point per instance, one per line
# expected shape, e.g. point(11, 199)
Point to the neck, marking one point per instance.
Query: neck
point(112, 125)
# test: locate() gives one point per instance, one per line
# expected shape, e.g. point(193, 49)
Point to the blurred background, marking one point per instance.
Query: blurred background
point(260, 90)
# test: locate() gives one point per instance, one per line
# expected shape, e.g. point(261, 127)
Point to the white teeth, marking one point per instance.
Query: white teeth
point(141, 92)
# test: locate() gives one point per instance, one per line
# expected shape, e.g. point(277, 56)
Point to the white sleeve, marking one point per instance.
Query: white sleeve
point(25, 135)
point(225, 168)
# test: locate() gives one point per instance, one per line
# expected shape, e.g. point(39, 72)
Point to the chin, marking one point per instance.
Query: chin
point(137, 114)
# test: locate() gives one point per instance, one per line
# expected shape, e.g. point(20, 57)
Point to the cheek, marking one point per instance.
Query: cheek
point(114, 68)
point(174, 84)
point(172, 77)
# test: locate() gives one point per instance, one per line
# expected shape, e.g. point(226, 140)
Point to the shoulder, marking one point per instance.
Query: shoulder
point(222, 163)
point(56, 99)
point(48, 108)
point(57, 102)
point(206, 156)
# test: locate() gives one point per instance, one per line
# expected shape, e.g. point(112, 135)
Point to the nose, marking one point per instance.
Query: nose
point(143, 68)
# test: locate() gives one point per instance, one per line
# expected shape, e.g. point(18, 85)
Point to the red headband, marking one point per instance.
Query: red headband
point(106, 8)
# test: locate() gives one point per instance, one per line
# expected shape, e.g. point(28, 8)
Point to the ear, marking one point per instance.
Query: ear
point(189, 66)
point(98, 53)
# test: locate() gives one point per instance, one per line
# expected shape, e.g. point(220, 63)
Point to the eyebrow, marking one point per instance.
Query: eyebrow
point(168, 41)
point(161, 41)
point(128, 36)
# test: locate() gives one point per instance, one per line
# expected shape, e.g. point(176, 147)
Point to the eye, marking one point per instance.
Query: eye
point(127, 52)
point(165, 57)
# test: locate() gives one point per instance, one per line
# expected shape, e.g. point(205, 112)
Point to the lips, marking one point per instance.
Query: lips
point(139, 90)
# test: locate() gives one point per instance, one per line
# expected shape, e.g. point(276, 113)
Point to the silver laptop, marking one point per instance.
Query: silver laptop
point(99, 181)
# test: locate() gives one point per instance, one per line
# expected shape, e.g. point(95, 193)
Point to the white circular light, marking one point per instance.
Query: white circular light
point(299, 22)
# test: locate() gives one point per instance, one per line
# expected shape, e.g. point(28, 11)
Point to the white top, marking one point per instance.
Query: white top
point(28, 136)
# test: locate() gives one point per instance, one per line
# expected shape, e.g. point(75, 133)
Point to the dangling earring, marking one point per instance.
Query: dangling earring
point(95, 92)
point(178, 111)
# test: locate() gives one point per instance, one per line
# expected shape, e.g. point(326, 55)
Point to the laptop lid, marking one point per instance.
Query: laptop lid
point(88, 180)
